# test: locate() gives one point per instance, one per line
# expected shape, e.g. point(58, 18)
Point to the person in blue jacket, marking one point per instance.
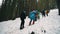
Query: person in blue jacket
point(32, 16)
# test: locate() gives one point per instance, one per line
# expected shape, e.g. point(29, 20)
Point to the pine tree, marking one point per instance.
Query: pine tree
point(58, 4)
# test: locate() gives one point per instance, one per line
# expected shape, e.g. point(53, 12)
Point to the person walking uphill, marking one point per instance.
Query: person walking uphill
point(43, 12)
point(23, 16)
point(32, 16)
point(47, 11)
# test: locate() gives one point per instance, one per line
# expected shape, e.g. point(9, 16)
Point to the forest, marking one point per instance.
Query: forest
point(11, 9)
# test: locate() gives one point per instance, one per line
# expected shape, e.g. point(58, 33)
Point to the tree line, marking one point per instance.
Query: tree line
point(12, 9)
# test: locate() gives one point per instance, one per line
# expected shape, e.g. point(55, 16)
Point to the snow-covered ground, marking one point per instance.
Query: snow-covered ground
point(51, 24)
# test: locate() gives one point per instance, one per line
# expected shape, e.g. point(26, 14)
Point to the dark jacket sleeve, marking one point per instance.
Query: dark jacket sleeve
point(23, 15)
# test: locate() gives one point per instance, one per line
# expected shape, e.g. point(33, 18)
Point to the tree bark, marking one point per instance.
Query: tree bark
point(58, 4)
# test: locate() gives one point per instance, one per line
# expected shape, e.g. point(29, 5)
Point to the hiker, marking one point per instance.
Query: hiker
point(47, 12)
point(43, 13)
point(32, 16)
point(23, 16)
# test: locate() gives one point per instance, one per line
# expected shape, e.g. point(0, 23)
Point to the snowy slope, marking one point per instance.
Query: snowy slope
point(50, 24)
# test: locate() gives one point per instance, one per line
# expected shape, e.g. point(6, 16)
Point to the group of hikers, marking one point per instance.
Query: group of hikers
point(44, 12)
point(33, 15)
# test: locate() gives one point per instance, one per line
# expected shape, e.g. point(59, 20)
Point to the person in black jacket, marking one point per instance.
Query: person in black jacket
point(43, 12)
point(23, 16)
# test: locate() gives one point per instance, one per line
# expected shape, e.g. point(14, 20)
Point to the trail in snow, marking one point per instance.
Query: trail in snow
point(50, 24)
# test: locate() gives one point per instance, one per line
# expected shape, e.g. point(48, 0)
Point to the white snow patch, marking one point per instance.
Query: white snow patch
point(49, 23)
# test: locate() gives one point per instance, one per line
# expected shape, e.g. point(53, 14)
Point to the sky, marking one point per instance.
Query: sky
point(0, 2)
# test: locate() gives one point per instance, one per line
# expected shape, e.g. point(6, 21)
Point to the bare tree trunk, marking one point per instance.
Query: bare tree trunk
point(58, 4)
